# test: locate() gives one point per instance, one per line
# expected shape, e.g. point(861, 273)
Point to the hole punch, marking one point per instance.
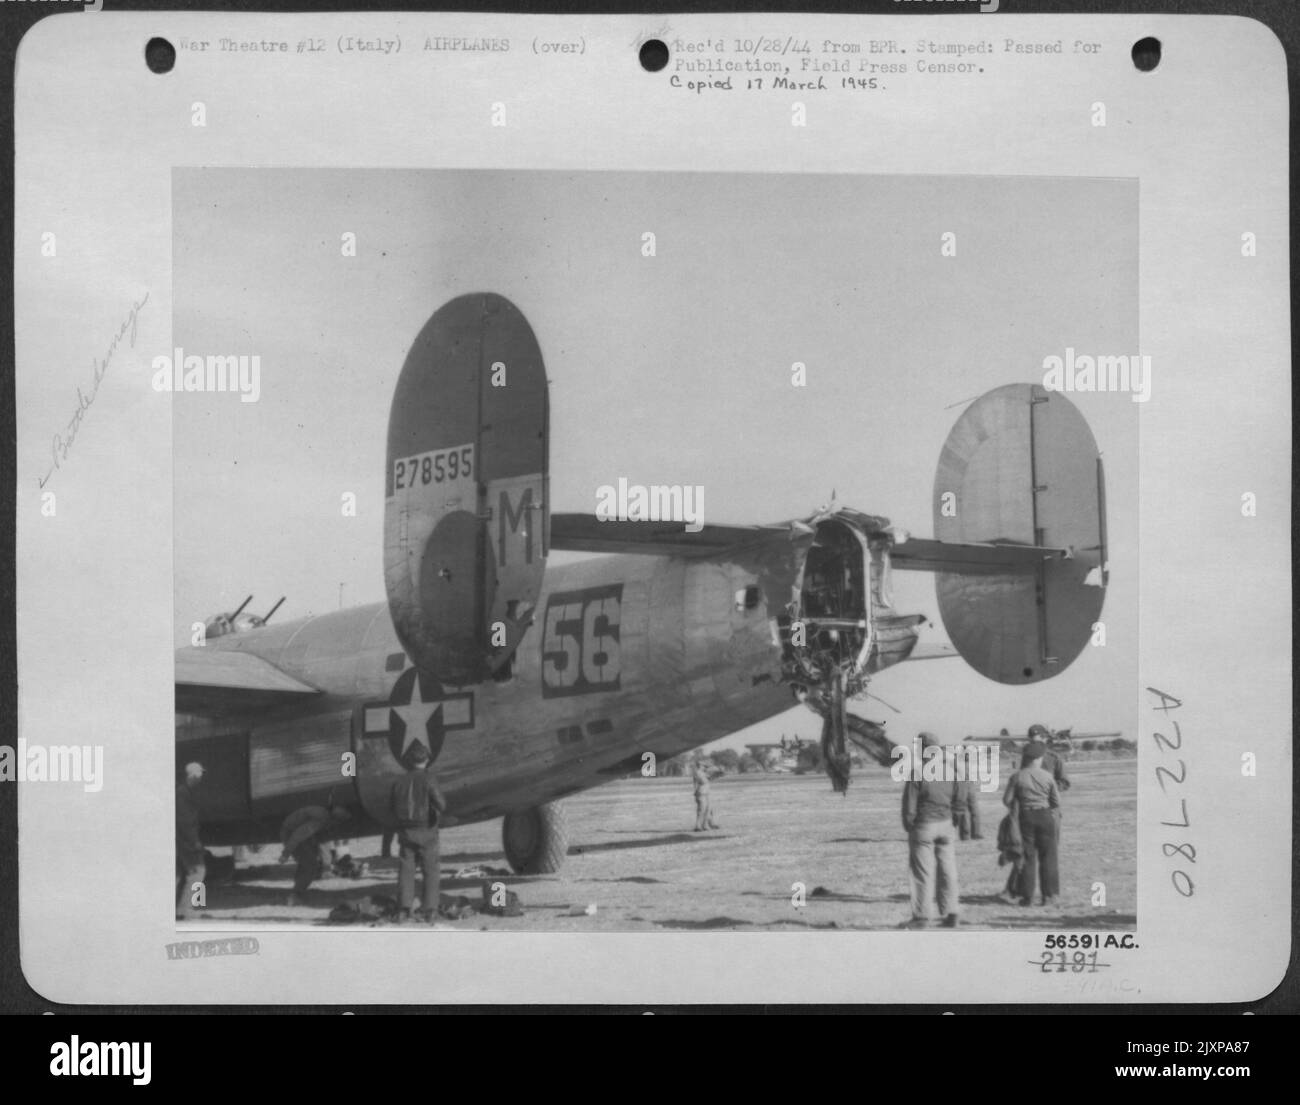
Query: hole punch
point(159, 55)
point(1146, 54)
point(653, 55)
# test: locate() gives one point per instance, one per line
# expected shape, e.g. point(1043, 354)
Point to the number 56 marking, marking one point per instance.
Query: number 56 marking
point(580, 644)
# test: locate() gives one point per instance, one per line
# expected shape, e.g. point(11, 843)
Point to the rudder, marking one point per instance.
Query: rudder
point(465, 490)
point(1021, 467)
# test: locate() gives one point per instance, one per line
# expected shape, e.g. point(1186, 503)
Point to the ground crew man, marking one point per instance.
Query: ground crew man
point(1035, 791)
point(928, 819)
point(1051, 761)
point(703, 800)
point(418, 805)
point(304, 835)
point(190, 868)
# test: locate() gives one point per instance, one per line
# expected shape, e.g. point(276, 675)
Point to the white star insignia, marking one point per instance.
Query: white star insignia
point(416, 714)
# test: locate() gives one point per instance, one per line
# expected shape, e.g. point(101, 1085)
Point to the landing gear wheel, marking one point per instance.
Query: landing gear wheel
point(536, 840)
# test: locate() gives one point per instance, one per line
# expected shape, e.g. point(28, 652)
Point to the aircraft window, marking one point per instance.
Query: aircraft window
point(747, 598)
point(396, 661)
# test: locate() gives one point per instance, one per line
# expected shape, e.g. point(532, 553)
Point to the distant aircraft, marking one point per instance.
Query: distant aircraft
point(528, 684)
point(1060, 738)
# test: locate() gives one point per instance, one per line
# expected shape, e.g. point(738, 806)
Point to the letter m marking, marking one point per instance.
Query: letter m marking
point(514, 518)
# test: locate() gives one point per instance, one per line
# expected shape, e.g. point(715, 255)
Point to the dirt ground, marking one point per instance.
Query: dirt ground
point(633, 856)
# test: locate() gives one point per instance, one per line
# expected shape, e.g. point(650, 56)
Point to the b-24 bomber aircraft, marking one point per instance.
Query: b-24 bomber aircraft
point(527, 684)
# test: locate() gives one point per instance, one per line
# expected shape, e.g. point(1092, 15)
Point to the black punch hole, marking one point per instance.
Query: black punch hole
point(1146, 54)
point(159, 55)
point(654, 55)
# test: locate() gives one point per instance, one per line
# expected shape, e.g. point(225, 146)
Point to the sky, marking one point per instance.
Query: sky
point(666, 369)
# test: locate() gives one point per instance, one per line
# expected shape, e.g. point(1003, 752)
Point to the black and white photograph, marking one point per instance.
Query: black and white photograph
point(761, 509)
point(620, 548)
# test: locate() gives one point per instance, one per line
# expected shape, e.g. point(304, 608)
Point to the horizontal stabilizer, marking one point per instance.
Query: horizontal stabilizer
point(587, 533)
point(216, 682)
point(921, 555)
point(933, 652)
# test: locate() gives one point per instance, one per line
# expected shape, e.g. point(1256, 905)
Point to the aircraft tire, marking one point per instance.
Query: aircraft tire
point(536, 840)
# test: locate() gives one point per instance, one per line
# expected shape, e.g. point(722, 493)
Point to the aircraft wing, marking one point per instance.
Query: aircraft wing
point(587, 533)
point(215, 682)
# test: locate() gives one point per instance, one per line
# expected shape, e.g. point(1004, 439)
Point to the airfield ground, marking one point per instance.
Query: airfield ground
point(634, 857)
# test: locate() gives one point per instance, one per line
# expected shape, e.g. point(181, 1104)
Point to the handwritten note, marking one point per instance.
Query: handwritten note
point(62, 443)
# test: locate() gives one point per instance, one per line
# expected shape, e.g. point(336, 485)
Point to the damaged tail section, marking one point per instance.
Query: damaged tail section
point(1019, 562)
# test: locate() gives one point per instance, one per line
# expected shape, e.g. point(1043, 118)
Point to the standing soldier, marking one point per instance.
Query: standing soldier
point(928, 819)
point(1052, 763)
point(189, 849)
point(418, 805)
point(703, 802)
point(1034, 791)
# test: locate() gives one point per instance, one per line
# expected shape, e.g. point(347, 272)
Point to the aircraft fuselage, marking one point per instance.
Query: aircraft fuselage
point(627, 654)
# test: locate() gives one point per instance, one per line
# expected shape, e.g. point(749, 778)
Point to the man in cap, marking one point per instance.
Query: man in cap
point(1053, 763)
point(190, 868)
point(418, 805)
point(928, 818)
point(703, 799)
point(1034, 792)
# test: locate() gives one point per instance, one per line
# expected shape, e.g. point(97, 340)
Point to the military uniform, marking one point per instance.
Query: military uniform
point(1052, 763)
point(703, 800)
point(928, 818)
point(1039, 800)
point(189, 850)
point(418, 805)
point(311, 853)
